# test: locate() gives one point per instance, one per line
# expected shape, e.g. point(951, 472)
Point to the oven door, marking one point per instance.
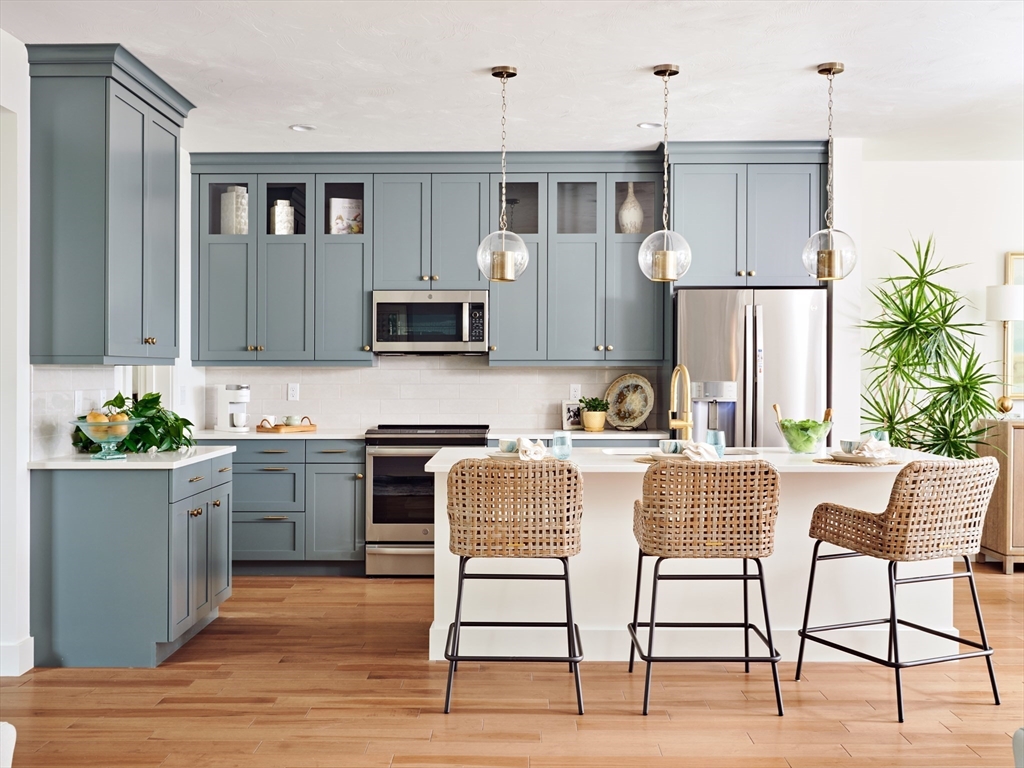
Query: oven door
point(399, 495)
point(433, 321)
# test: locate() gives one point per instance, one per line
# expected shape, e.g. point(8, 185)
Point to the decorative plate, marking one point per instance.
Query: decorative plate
point(630, 401)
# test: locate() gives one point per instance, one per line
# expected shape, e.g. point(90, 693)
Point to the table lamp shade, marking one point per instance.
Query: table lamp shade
point(1004, 302)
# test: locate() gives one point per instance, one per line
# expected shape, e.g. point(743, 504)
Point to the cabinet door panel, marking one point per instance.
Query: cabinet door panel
point(160, 249)
point(220, 543)
point(258, 536)
point(227, 294)
point(458, 222)
point(519, 312)
point(401, 232)
point(575, 301)
point(125, 195)
point(709, 209)
point(783, 211)
point(335, 521)
point(269, 487)
point(634, 306)
point(199, 538)
point(180, 615)
point(284, 322)
point(344, 282)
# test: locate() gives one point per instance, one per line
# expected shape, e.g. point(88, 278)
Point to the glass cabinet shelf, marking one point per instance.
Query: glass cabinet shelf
point(229, 208)
point(280, 197)
point(343, 208)
point(577, 207)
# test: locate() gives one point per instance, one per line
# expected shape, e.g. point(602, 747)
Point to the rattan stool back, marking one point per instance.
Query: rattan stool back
point(708, 509)
point(512, 508)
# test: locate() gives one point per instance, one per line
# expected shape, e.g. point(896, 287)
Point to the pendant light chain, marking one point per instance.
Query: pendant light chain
point(828, 211)
point(502, 220)
point(664, 180)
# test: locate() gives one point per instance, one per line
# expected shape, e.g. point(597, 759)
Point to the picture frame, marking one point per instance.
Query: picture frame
point(571, 418)
point(1014, 337)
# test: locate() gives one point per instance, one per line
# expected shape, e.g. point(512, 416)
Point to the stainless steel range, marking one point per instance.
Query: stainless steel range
point(400, 494)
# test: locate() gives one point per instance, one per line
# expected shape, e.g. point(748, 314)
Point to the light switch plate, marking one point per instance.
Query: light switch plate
point(79, 405)
point(293, 391)
point(575, 391)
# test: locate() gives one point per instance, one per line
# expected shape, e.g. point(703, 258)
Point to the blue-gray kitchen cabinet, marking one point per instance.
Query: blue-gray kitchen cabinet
point(519, 310)
point(783, 211)
point(458, 222)
point(401, 232)
point(709, 209)
point(335, 518)
point(268, 536)
point(104, 208)
point(576, 266)
point(344, 273)
point(269, 487)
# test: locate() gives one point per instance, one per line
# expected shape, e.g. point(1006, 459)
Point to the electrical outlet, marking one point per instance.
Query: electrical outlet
point(79, 406)
point(293, 391)
point(575, 391)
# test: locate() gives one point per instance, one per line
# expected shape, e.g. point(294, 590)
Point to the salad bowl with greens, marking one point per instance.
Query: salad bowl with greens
point(805, 435)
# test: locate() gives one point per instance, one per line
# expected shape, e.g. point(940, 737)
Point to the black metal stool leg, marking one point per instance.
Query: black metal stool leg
point(981, 627)
point(650, 636)
point(807, 609)
point(894, 639)
point(636, 606)
point(768, 633)
point(746, 620)
point(452, 665)
point(570, 622)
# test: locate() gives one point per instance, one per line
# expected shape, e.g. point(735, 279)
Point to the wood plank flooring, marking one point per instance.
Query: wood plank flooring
point(306, 672)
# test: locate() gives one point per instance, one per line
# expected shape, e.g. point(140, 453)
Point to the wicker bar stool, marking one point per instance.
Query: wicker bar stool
point(719, 509)
point(936, 510)
point(521, 509)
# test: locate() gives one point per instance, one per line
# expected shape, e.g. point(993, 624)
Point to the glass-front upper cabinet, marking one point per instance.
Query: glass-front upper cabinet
point(285, 202)
point(344, 207)
point(636, 201)
point(576, 207)
point(228, 210)
point(522, 206)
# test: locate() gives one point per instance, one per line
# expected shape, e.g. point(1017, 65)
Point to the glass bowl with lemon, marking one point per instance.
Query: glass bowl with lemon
point(107, 430)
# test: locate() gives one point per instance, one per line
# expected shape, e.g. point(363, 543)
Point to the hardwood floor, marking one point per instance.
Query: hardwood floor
point(303, 672)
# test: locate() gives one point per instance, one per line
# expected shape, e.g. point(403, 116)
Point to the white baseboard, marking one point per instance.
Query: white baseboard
point(17, 658)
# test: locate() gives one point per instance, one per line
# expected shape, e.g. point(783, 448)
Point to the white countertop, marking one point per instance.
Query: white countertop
point(579, 434)
point(252, 434)
point(622, 460)
point(159, 461)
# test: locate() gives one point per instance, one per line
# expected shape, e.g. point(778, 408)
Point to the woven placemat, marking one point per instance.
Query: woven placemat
point(882, 463)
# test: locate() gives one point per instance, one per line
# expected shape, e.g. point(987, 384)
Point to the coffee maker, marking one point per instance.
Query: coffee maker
point(232, 413)
point(714, 407)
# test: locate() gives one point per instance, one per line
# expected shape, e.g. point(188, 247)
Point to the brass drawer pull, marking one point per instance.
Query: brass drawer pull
point(216, 502)
point(224, 469)
point(275, 450)
point(334, 450)
point(274, 469)
point(197, 478)
point(275, 517)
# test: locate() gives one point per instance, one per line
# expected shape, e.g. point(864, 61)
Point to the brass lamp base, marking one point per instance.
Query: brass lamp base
point(665, 266)
point(503, 267)
point(828, 265)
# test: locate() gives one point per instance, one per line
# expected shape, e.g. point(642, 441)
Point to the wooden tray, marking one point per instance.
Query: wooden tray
point(280, 429)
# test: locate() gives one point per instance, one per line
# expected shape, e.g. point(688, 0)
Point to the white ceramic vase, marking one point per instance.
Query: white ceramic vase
point(631, 215)
point(234, 211)
point(282, 219)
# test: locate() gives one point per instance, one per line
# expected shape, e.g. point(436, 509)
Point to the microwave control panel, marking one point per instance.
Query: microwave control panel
point(476, 322)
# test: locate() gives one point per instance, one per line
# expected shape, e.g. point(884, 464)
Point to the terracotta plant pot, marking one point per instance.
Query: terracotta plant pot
point(593, 421)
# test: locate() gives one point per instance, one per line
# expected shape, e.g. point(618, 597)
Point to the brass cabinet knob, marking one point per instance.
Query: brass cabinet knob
point(752, 273)
point(199, 513)
point(742, 273)
point(259, 348)
point(600, 347)
point(610, 347)
point(152, 339)
point(425, 277)
point(434, 277)
point(492, 348)
point(359, 475)
point(195, 512)
point(216, 502)
point(250, 348)
point(366, 348)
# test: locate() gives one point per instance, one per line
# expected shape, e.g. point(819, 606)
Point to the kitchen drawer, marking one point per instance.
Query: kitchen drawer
point(276, 451)
point(269, 487)
point(335, 451)
point(268, 536)
point(220, 469)
point(190, 480)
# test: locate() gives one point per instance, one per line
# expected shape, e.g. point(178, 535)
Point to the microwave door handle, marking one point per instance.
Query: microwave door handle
point(465, 321)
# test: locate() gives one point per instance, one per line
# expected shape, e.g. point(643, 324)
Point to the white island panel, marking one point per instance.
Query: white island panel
point(603, 574)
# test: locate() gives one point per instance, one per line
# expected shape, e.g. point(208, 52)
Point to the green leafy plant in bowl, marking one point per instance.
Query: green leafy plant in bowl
point(153, 426)
point(805, 435)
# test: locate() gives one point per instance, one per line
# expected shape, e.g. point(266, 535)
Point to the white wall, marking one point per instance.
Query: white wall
point(975, 210)
point(16, 653)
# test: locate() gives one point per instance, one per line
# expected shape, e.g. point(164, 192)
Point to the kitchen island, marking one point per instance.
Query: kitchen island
point(603, 574)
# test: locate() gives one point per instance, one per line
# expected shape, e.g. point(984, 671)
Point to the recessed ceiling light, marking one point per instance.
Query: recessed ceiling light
point(302, 127)
point(648, 125)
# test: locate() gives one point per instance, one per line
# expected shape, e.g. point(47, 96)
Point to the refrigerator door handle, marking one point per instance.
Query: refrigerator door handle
point(748, 375)
point(759, 374)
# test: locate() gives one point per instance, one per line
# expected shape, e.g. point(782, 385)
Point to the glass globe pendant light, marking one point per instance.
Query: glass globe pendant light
point(502, 256)
point(829, 254)
point(665, 255)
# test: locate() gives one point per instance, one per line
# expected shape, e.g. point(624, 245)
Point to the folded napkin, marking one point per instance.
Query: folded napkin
point(874, 449)
point(529, 451)
point(697, 452)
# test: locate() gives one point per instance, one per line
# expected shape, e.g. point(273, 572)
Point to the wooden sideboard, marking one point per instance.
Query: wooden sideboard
point(1003, 535)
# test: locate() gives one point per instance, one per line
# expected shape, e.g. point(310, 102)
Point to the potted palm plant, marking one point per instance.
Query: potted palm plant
point(927, 385)
point(593, 412)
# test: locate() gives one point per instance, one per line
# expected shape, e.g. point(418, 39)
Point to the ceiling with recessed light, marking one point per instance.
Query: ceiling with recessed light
point(923, 79)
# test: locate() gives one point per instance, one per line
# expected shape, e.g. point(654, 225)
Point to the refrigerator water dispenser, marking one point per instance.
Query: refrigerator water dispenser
point(714, 407)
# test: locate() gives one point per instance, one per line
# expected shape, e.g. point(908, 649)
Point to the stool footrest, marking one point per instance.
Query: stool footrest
point(631, 628)
point(450, 655)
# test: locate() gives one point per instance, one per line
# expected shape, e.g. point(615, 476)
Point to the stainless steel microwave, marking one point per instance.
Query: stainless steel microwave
point(430, 322)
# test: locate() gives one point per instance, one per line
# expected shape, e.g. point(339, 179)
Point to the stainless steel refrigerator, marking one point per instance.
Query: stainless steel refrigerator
point(746, 349)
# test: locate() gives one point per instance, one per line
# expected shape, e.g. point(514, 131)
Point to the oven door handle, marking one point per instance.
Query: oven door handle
point(378, 450)
point(377, 550)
